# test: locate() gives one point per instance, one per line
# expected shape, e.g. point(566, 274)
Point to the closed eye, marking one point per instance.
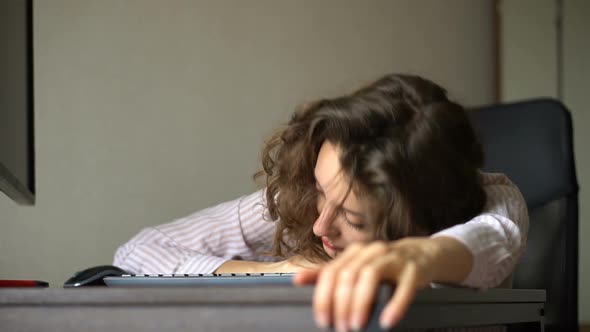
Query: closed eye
point(356, 225)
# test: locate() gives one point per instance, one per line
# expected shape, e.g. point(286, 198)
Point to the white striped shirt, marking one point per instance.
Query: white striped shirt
point(238, 229)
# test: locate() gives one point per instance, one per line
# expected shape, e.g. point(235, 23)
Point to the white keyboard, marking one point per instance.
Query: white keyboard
point(201, 279)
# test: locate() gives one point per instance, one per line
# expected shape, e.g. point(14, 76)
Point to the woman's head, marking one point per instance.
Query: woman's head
point(393, 159)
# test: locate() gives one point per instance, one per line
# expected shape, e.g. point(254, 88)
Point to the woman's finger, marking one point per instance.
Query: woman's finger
point(347, 281)
point(384, 268)
point(342, 297)
point(405, 291)
point(324, 296)
point(363, 297)
point(306, 277)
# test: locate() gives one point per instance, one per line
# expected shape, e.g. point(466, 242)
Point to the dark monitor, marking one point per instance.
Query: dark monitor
point(17, 150)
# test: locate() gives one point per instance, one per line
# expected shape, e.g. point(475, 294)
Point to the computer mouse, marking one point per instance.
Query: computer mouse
point(93, 276)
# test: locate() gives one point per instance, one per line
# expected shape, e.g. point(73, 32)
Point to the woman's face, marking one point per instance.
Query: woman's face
point(341, 220)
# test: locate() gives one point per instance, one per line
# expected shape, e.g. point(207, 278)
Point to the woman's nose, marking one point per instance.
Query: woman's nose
point(324, 222)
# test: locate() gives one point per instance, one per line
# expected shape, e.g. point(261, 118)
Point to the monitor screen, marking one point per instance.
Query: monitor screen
point(17, 165)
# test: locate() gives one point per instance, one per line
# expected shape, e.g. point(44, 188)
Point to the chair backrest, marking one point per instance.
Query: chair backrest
point(531, 142)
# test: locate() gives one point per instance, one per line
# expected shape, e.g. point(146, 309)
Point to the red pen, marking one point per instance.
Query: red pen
point(23, 283)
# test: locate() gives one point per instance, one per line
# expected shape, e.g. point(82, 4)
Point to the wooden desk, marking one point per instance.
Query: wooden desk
point(270, 308)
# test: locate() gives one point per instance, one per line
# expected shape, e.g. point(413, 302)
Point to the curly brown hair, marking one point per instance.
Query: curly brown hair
point(409, 151)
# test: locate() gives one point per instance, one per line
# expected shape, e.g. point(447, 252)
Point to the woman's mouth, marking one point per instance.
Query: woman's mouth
point(330, 245)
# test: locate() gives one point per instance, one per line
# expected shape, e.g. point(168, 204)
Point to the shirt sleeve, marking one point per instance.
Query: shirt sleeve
point(203, 241)
point(497, 237)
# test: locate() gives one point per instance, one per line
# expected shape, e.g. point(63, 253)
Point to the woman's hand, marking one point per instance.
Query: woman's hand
point(346, 287)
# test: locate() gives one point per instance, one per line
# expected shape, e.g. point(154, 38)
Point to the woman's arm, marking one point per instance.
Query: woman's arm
point(346, 287)
point(292, 264)
point(479, 253)
point(497, 237)
point(203, 241)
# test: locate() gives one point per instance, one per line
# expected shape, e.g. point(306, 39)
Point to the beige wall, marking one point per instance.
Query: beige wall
point(576, 84)
point(530, 69)
point(148, 110)
point(528, 58)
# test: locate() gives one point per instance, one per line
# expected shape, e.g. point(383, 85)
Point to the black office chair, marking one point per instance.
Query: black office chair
point(531, 142)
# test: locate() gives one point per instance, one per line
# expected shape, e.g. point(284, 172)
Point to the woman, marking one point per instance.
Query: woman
point(379, 185)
